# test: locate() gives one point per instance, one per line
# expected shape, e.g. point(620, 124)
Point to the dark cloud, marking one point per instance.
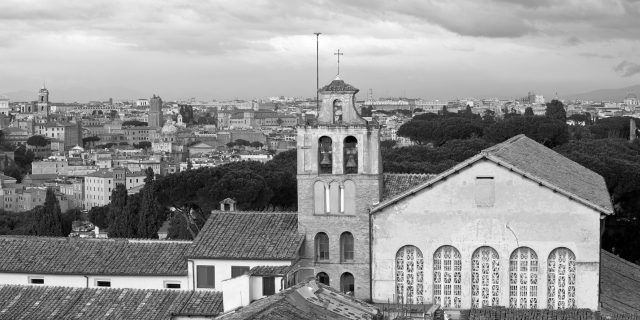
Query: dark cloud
point(627, 68)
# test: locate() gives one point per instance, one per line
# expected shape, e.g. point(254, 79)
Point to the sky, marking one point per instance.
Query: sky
point(431, 49)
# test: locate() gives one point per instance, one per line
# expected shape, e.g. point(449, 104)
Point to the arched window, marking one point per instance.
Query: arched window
point(447, 277)
point(350, 155)
point(322, 246)
point(319, 198)
point(325, 155)
point(561, 279)
point(347, 283)
point(323, 278)
point(337, 111)
point(409, 275)
point(349, 197)
point(523, 278)
point(334, 195)
point(346, 247)
point(485, 278)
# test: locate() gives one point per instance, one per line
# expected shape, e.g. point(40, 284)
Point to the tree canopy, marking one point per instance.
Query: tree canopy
point(37, 140)
point(555, 110)
point(546, 130)
point(441, 130)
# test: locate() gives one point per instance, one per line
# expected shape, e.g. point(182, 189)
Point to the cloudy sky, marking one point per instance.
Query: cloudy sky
point(434, 49)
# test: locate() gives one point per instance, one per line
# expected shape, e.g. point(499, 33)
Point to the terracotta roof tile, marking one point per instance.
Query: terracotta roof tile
point(47, 302)
point(619, 285)
point(395, 184)
point(269, 270)
point(92, 256)
point(248, 235)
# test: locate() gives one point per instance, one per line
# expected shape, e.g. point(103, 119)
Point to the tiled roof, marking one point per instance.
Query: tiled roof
point(269, 270)
point(248, 235)
point(549, 166)
point(536, 162)
point(338, 85)
point(57, 303)
point(395, 184)
point(619, 285)
point(92, 256)
point(102, 173)
point(307, 300)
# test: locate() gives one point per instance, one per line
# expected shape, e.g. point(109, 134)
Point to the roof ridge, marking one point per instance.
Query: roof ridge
point(503, 143)
point(254, 212)
point(635, 266)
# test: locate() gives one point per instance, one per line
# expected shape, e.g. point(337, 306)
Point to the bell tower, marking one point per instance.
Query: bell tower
point(339, 179)
point(42, 106)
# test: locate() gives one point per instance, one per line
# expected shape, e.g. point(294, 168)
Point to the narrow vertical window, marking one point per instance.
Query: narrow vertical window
point(268, 286)
point(334, 194)
point(350, 155)
point(523, 279)
point(347, 284)
point(327, 200)
point(319, 197)
point(346, 247)
point(325, 156)
point(349, 197)
point(561, 279)
point(322, 246)
point(447, 277)
point(485, 191)
point(485, 278)
point(341, 199)
point(409, 275)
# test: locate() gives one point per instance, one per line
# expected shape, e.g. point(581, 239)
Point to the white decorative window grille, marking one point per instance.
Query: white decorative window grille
point(485, 278)
point(523, 279)
point(409, 275)
point(561, 279)
point(447, 276)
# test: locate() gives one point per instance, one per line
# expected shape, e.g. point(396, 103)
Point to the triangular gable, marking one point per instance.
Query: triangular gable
point(487, 154)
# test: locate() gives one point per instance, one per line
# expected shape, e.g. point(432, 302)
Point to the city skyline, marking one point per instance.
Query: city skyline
point(433, 50)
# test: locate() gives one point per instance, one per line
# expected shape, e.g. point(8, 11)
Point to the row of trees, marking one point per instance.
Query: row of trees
point(244, 143)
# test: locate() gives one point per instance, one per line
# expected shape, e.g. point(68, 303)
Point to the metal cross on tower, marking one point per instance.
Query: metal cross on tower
point(338, 54)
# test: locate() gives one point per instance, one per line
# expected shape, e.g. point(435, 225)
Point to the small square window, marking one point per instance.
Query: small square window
point(36, 280)
point(103, 283)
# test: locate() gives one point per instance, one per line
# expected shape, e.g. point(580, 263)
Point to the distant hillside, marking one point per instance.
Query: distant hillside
point(604, 94)
point(84, 95)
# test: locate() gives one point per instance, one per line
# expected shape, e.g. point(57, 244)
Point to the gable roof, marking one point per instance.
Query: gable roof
point(269, 270)
point(248, 235)
point(396, 183)
point(48, 302)
point(535, 162)
point(619, 285)
point(92, 256)
point(306, 300)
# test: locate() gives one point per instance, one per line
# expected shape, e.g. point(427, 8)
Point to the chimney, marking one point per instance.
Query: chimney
point(632, 129)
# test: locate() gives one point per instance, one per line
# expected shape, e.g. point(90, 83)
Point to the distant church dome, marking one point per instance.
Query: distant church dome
point(631, 96)
point(169, 128)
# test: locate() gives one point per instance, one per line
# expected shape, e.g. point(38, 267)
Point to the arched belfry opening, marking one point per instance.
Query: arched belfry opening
point(337, 111)
point(325, 155)
point(350, 150)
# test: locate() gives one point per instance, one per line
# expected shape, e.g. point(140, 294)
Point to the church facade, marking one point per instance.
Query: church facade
point(518, 225)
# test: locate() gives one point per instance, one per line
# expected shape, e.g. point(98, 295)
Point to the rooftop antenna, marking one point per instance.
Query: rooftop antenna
point(317, 73)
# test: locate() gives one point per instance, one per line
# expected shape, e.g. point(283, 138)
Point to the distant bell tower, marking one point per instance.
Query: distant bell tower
point(42, 106)
point(155, 112)
point(339, 179)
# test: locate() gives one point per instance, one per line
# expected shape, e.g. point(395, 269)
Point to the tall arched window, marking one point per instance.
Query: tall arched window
point(350, 155)
point(485, 278)
point(319, 195)
point(323, 278)
point(346, 247)
point(322, 246)
point(409, 275)
point(523, 278)
point(561, 279)
point(349, 197)
point(325, 156)
point(334, 195)
point(347, 283)
point(447, 277)
point(337, 111)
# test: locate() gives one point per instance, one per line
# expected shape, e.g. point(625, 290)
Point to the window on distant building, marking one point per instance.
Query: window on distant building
point(103, 283)
point(347, 283)
point(206, 276)
point(322, 246)
point(237, 271)
point(268, 286)
point(36, 280)
point(171, 285)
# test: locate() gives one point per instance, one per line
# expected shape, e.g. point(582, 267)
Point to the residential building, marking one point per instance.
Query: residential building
point(98, 185)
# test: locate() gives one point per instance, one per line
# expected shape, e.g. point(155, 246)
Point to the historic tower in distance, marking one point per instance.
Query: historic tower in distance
point(339, 178)
point(155, 112)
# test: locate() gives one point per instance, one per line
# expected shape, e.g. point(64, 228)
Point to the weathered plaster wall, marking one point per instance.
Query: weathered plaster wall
point(223, 269)
point(524, 215)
